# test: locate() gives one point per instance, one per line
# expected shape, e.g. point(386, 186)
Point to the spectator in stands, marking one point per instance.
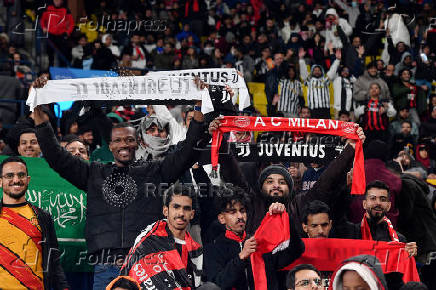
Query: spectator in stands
point(405, 63)
point(408, 95)
point(28, 144)
point(163, 57)
point(30, 254)
point(389, 77)
point(190, 60)
point(136, 51)
point(423, 157)
point(318, 94)
point(226, 264)
point(395, 126)
point(404, 139)
point(104, 200)
point(82, 54)
point(77, 148)
point(263, 64)
point(428, 129)
point(57, 23)
point(363, 83)
point(290, 94)
point(107, 41)
point(169, 236)
point(272, 79)
point(316, 220)
point(332, 22)
point(304, 276)
point(154, 139)
point(375, 114)
point(343, 90)
point(360, 272)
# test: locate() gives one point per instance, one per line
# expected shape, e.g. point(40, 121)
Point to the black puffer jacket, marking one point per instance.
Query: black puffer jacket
point(121, 201)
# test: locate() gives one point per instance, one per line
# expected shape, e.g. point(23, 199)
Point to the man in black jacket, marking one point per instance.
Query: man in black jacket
point(29, 249)
point(121, 196)
point(227, 259)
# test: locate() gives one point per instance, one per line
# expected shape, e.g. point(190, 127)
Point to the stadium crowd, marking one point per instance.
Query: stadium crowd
point(368, 62)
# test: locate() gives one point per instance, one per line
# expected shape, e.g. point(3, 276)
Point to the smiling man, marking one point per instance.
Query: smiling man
point(28, 145)
point(164, 255)
point(29, 249)
point(227, 259)
point(121, 197)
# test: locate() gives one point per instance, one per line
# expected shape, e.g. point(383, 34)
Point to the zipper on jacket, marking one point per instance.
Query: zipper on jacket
point(246, 272)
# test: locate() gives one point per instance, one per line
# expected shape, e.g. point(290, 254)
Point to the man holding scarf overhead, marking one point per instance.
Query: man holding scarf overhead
point(121, 197)
point(275, 183)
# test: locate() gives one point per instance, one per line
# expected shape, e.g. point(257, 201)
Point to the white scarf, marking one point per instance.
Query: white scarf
point(161, 87)
point(216, 76)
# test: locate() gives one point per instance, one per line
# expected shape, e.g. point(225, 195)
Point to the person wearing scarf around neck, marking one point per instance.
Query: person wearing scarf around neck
point(227, 259)
point(154, 139)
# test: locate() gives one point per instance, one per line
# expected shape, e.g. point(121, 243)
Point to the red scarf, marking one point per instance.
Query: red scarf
point(326, 254)
point(412, 101)
point(273, 230)
point(232, 236)
point(320, 126)
point(366, 231)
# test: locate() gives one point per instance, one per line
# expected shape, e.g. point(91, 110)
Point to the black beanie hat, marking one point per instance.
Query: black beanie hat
point(276, 169)
point(377, 149)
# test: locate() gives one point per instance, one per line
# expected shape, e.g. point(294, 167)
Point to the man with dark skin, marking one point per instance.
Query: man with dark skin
point(121, 196)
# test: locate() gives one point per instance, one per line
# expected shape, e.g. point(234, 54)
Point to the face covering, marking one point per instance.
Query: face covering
point(154, 148)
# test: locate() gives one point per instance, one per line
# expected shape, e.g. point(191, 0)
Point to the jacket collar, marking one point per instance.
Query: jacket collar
point(232, 236)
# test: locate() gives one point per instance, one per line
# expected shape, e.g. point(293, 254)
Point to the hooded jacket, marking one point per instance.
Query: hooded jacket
point(361, 87)
point(368, 268)
point(401, 65)
point(330, 33)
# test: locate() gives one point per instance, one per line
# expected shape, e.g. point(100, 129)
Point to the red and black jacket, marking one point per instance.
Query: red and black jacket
point(155, 261)
point(372, 119)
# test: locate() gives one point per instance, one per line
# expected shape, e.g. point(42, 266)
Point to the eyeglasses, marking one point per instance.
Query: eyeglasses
point(308, 282)
point(20, 175)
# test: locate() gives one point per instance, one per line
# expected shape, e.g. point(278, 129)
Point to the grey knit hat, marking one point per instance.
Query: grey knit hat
point(276, 169)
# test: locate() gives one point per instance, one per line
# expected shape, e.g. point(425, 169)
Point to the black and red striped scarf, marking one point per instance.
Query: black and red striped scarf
point(374, 120)
point(155, 263)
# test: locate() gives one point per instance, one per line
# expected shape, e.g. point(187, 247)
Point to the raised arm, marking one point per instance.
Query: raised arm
point(70, 167)
point(333, 175)
point(175, 164)
point(304, 74)
point(331, 74)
